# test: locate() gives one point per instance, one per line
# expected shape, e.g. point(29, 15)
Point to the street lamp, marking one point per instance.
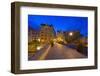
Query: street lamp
point(39, 47)
point(71, 33)
point(39, 40)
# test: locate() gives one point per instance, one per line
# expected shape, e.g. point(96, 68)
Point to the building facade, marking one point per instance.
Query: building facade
point(47, 33)
point(71, 35)
point(32, 34)
point(60, 36)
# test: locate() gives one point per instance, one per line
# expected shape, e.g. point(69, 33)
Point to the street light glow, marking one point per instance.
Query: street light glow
point(39, 40)
point(70, 34)
point(39, 47)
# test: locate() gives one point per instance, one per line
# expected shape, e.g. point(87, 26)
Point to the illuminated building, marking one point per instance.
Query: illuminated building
point(32, 34)
point(47, 33)
point(60, 36)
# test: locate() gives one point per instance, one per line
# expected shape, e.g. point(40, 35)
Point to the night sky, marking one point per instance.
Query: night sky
point(60, 23)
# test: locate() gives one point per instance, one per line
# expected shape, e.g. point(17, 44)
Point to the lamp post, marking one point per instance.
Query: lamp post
point(71, 34)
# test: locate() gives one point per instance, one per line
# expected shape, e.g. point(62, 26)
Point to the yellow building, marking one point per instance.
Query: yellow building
point(32, 34)
point(60, 36)
point(47, 33)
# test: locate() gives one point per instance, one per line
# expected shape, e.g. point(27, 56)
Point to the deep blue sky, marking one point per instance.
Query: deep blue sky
point(62, 23)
